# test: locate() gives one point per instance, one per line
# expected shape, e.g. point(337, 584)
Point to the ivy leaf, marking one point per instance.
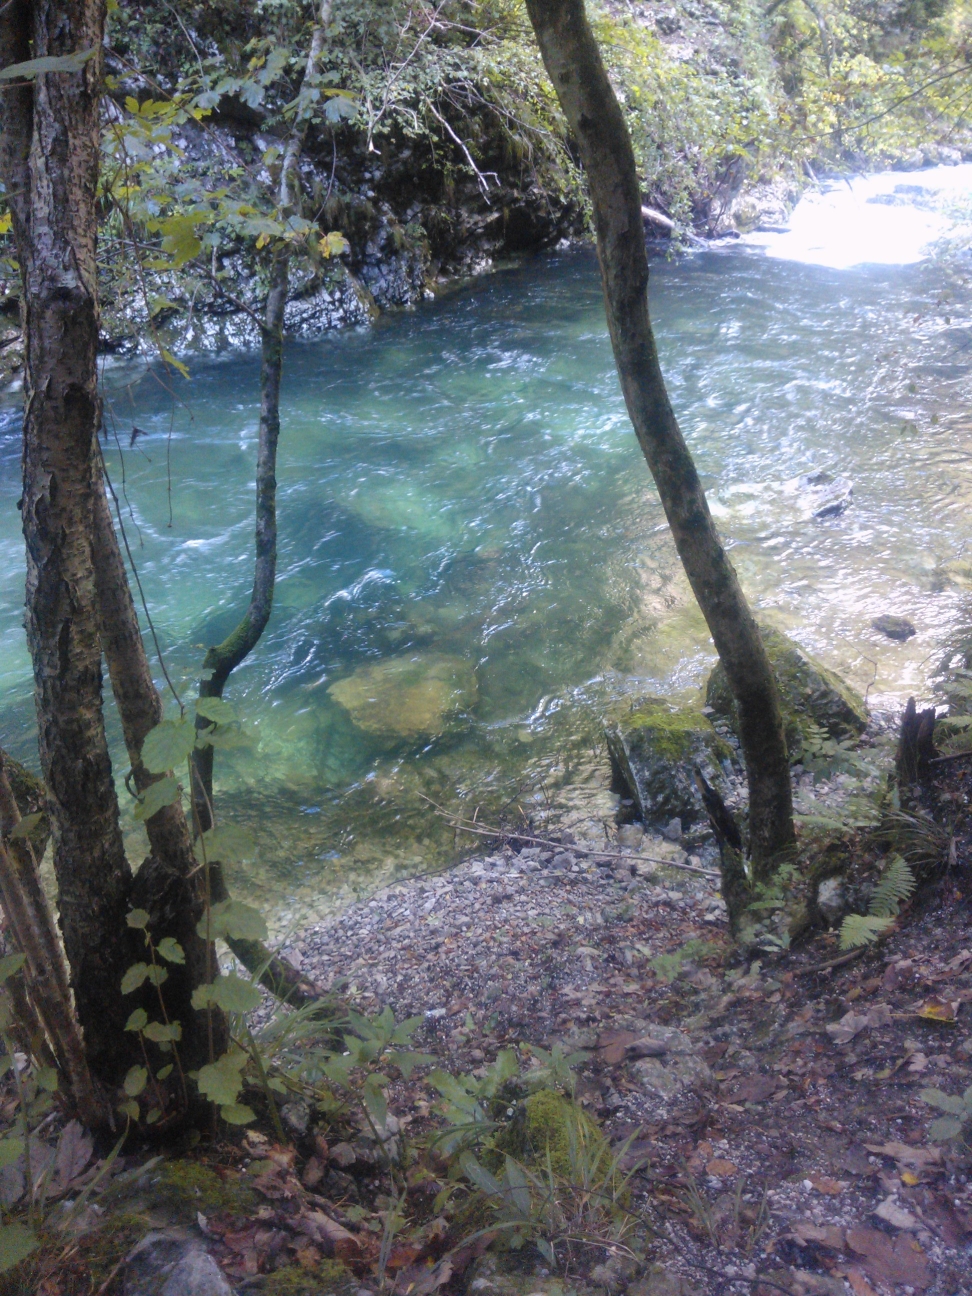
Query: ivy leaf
point(129, 1108)
point(159, 1033)
point(216, 710)
point(134, 977)
point(11, 1149)
point(25, 826)
point(156, 796)
point(135, 1081)
point(230, 992)
point(170, 949)
point(168, 745)
point(138, 918)
point(10, 964)
point(237, 1113)
point(16, 1240)
point(138, 1020)
point(221, 1080)
point(32, 68)
point(226, 843)
point(234, 920)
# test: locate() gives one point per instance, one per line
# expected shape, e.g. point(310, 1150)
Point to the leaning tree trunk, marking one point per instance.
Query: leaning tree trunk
point(574, 64)
point(49, 159)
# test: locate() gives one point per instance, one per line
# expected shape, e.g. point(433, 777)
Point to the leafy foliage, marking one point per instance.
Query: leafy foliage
point(896, 885)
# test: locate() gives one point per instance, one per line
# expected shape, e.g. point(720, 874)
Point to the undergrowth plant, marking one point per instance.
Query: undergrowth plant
point(896, 885)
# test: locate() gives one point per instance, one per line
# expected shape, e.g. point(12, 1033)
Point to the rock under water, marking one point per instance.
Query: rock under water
point(410, 698)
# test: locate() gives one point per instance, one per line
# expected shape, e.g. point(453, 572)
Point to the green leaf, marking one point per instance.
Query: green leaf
point(376, 1104)
point(138, 1020)
point(49, 63)
point(227, 843)
point(47, 1079)
point(11, 1148)
point(170, 949)
point(163, 1073)
point(135, 1081)
point(945, 1127)
point(10, 964)
point(860, 929)
point(134, 977)
point(138, 918)
point(16, 1240)
point(216, 710)
point(156, 975)
point(237, 1113)
point(129, 1108)
point(950, 1103)
point(234, 920)
point(170, 359)
point(168, 745)
point(159, 1033)
point(156, 796)
point(221, 1080)
point(152, 1116)
point(25, 826)
point(478, 1174)
point(230, 992)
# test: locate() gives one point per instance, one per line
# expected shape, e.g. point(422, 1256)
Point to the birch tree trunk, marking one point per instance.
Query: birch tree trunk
point(573, 62)
point(49, 153)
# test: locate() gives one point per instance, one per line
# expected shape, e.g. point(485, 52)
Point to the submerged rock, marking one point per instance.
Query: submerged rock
point(894, 627)
point(412, 698)
point(809, 694)
point(654, 749)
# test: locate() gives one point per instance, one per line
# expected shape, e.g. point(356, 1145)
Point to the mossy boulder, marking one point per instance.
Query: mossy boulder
point(556, 1127)
point(409, 699)
point(809, 693)
point(654, 748)
point(327, 1278)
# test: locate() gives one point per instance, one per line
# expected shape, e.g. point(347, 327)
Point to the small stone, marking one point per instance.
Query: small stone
point(173, 1263)
point(673, 831)
point(647, 1047)
point(894, 627)
point(296, 1116)
point(562, 860)
point(894, 1214)
point(831, 899)
point(343, 1154)
point(631, 836)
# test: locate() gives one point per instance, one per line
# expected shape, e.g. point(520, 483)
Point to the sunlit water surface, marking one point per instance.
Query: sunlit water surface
point(463, 482)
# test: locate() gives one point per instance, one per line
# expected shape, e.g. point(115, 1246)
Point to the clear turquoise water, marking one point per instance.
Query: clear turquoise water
point(463, 480)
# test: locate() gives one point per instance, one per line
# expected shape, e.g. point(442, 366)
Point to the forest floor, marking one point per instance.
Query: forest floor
point(769, 1108)
point(778, 1114)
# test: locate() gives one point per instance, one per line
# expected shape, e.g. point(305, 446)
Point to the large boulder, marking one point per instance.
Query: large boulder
point(654, 748)
point(411, 698)
point(809, 694)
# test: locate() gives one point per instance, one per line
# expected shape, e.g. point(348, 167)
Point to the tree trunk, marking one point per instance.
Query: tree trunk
point(49, 157)
point(168, 885)
point(574, 65)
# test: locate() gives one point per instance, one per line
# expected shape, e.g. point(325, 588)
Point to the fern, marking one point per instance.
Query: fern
point(896, 885)
point(861, 929)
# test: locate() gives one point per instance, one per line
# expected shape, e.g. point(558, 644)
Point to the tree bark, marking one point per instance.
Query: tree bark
point(49, 157)
point(574, 64)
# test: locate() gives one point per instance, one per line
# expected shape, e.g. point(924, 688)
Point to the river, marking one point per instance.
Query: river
point(460, 485)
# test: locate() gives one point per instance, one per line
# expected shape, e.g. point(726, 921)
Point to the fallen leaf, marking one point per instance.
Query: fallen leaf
point(756, 1088)
point(893, 1213)
point(917, 1062)
point(938, 1010)
point(879, 1015)
point(721, 1169)
point(859, 1284)
point(74, 1150)
point(612, 1046)
point(832, 1187)
point(909, 1179)
point(918, 1157)
point(959, 961)
point(825, 1235)
point(890, 1260)
point(850, 1024)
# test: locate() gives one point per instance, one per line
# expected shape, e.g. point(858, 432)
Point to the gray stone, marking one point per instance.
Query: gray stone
point(894, 627)
point(677, 1069)
point(296, 1116)
point(173, 1263)
point(809, 693)
point(654, 748)
point(832, 900)
point(673, 831)
point(631, 835)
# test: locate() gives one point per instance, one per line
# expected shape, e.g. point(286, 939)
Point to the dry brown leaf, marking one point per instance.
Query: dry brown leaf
point(823, 1184)
point(859, 1284)
point(917, 1157)
point(721, 1169)
point(939, 1010)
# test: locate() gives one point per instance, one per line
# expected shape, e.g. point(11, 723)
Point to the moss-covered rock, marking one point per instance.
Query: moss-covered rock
point(188, 1187)
point(654, 748)
point(809, 693)
point(408, 698)
point(556, 1127)
point(328, 1278)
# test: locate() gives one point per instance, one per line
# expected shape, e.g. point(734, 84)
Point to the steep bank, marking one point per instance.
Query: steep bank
point(439, 151)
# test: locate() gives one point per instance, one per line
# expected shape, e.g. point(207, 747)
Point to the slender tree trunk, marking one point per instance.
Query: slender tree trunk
point(574, 65)
point(168, 885)
point(49, 157)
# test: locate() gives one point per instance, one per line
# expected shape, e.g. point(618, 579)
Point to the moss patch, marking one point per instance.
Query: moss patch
point(556, 1127)
point(189, 1187)
point(319, 1280)
point(809, 692)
